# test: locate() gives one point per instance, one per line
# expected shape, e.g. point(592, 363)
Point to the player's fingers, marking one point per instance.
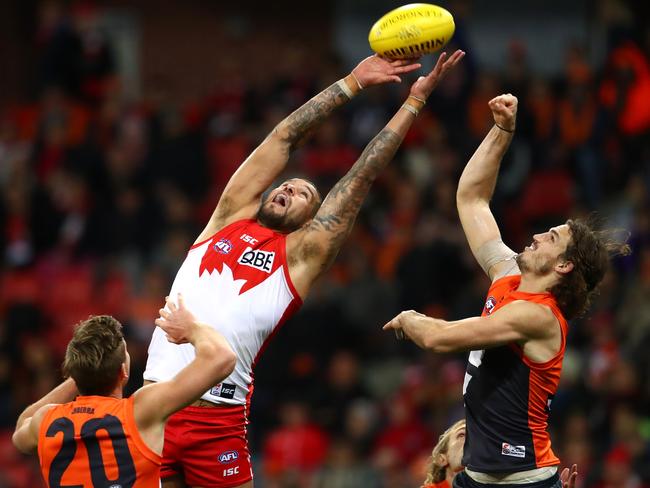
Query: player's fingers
point(170, 304)
point(565, 475)
point(181, 300)
point(456, 57)
point(441, 60)
point(406, 69)
point(164, 313)
point(159, 322)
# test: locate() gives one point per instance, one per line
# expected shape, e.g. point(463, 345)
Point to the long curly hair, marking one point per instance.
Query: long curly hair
point(438, 472)
point(590, 251)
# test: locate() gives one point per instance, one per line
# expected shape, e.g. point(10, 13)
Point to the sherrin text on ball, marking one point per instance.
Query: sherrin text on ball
point(411, 31)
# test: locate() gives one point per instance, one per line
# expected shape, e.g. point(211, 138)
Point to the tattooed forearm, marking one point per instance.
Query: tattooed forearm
point(312, 113)
point(336, 216)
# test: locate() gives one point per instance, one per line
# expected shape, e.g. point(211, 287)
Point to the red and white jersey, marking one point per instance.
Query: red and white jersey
point(238, 282)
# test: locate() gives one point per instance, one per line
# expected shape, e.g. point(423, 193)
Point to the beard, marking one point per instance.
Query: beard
point(275, 221)
point(526, 267)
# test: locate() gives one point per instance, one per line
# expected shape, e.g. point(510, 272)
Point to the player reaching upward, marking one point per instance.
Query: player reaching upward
point(519, 340)
point(256, 260)
point(101, 438)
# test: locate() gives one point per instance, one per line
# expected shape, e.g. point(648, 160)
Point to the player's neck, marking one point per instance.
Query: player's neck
point(117, 393)
point(533, 283)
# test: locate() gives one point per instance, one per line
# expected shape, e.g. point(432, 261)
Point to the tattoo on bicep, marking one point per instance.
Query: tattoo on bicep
point(313, 112)
point(338, 212)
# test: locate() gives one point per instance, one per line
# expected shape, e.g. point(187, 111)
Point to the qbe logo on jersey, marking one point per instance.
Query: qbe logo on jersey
point(258, 259)
point(514, 451)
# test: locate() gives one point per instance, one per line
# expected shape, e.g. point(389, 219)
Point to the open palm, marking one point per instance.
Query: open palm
point(375, 70)
point(424, 85)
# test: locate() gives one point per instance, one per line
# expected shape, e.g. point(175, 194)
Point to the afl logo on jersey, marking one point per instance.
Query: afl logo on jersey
point(224, 246)
point(228, 457)
point(490, 303)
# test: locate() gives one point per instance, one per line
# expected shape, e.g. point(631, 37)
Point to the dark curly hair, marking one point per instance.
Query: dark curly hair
point(590, 251)
point(95, 355)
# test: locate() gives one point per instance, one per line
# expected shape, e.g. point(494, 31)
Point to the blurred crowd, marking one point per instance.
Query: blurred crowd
point(101, 196)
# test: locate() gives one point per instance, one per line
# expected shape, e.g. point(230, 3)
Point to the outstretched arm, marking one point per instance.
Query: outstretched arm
point(476, 187)
point(312, 249)
point(241, 196)
point(516, 322)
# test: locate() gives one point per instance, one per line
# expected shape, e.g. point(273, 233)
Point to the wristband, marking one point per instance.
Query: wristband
point(423, 102)
point(504, 130)
point(357, 80)
point(410, 108)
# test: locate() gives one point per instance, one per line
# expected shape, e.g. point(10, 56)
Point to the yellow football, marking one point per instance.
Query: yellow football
point(412, 30)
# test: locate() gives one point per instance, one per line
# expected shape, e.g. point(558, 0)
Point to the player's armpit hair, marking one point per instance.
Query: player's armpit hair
point(493, 252)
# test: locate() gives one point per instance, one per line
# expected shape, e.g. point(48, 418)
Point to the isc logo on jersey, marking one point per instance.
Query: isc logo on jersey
point(224, 390)
point(228, 457)
point(258, 259)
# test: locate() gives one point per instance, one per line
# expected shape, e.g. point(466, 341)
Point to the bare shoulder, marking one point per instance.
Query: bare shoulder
point(533, 319)
point(39, 416)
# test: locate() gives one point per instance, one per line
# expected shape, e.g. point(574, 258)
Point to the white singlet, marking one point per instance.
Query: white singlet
point(238, 282)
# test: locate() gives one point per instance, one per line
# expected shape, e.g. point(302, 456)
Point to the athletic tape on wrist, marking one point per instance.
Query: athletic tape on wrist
point(345, 88)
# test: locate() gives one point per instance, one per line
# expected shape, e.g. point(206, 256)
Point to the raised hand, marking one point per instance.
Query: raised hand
point(424, 85)
point(177, 321)
point(568, 478)
point(504, 111)
point(375, 70)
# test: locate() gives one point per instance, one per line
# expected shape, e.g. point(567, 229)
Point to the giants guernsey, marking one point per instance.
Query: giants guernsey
point(508, 397)
point(94, 441)
point(238, 282)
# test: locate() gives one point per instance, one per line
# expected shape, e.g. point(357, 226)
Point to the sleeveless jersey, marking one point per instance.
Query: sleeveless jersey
point(507, 396)
point(238, 282)
point(93, 442)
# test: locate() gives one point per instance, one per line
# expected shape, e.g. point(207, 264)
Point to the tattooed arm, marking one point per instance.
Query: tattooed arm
point(241, 196)
point(312, 249)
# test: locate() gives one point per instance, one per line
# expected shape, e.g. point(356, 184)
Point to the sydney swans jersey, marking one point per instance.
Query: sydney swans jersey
point(238, 282)
point(508, 397)
point(94, 441)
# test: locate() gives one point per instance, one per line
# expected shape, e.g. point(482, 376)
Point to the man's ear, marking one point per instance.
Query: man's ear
point(442, 460)
point(124, 372)
point(564, 267)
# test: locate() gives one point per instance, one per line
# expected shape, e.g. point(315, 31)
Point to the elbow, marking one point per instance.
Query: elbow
point(229, 362)
point(465, 197)
point(20, 445)
point(225, 361)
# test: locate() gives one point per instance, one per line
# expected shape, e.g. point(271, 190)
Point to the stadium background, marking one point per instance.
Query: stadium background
point(120, 123)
